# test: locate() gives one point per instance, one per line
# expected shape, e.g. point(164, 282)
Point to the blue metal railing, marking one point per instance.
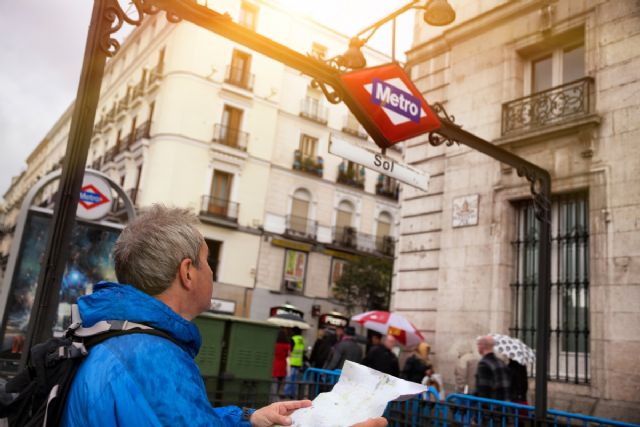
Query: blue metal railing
point(460, 409)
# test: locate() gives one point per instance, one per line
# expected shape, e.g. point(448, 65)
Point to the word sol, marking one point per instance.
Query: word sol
point(385, 164)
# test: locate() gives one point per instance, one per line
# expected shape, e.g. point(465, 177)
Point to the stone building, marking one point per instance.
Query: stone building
point(191, 119)
point(557, 83)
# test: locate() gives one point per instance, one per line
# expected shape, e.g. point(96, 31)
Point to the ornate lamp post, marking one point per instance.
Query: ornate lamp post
point(108, 17)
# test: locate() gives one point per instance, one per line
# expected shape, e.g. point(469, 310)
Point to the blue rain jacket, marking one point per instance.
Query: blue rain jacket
point(141, 380)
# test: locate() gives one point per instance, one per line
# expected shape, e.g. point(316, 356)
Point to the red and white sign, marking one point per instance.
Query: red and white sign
point(391, 101)
point(95, 198)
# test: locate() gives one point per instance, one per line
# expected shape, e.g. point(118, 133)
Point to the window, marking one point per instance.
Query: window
point(214, 256)
point(231, 121)
point(384, 225)
point(220, 193)
point(299, 220)
point(238, 73)
point(344, 219)
point(561, 66)
point(295, 265)
point(308, 146)
point(248, 15)
point(569, 284)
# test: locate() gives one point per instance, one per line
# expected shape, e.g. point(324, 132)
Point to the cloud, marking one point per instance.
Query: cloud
point(41, 51)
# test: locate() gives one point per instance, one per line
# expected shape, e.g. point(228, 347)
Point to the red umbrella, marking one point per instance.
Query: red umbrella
point(388, 323)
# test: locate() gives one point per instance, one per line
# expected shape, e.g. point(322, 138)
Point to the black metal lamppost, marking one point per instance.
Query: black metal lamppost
point(108, 17)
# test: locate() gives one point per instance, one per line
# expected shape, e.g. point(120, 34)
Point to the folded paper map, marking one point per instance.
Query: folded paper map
point(361, 393)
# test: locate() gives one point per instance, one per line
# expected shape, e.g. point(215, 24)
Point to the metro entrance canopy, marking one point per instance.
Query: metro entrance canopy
point(108, 17)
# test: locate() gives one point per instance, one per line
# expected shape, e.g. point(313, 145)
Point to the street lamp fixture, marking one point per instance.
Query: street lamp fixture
point(436, 12)
point(439, 13)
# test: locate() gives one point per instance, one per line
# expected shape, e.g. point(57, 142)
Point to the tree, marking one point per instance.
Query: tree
point(364, 284)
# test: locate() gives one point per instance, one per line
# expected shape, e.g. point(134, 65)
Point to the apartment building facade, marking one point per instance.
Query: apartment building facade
point(556, 83)
point(190, 119)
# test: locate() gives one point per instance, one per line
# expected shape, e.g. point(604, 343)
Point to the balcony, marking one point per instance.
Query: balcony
point(142, 131)
point(301, 227)
point(230, 136)
point(346, 237)
point(219, 208)
point(313, 109)
point(350, 238)
point(351, 174)
point(309, 164)
point(387, 187)
point(140, 87)
point(352, 127)
point(238, 76)
point(556, 106)
point(155, 75)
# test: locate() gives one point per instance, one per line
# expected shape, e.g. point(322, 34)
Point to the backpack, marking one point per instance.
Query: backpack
point(42, 387)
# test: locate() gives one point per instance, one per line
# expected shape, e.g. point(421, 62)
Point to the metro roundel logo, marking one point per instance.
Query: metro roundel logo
point(392, 102)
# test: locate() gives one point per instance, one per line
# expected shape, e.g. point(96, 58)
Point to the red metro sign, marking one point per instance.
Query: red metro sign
point(391, 101)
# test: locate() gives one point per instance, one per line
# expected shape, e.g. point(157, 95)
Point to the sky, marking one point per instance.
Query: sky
point(42, 46)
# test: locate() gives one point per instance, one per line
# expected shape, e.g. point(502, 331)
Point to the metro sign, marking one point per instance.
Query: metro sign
point(391, 101)
point(91, 197)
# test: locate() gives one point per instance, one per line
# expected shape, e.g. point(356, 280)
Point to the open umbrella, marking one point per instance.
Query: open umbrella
point(388, 323)
point(288, 321)
point(514, 349)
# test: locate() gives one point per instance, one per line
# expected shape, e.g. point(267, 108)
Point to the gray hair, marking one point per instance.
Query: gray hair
point(150, 249)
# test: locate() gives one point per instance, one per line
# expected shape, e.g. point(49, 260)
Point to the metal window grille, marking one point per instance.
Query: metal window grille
point(569, 328)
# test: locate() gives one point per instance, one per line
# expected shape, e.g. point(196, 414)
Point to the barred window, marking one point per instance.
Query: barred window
point(569, 328)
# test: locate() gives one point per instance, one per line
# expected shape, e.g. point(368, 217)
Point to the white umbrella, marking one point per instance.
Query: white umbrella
point(514, 349)
point(288, 321)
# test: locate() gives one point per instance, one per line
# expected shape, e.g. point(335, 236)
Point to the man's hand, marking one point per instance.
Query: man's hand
point(278, 413)
point(373, 422)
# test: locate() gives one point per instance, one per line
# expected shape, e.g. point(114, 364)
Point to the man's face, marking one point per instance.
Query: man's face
point(203, 280)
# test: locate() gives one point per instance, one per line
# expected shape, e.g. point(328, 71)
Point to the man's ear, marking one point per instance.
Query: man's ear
point(184, 273)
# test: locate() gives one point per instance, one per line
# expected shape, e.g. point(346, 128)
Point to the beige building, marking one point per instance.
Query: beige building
point(557, 83)
point(188, 118)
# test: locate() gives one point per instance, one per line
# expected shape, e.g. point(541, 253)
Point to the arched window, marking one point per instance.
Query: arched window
point(344, 221)
point(299, 218)
point(384, 239)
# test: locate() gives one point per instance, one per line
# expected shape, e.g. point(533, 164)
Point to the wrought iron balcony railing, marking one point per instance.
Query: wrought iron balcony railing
point(138, 133)
point(353, 176)
point(221, 208)
point(312, 165)
point(351, 238)
point(352, 127)
point(549, 107)
point(301, 227)
point(240, 77)
point(387, 187)
point(230, 136)
point(313, 109)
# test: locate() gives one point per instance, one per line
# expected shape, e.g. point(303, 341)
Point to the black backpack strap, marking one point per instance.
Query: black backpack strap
point(93, 340)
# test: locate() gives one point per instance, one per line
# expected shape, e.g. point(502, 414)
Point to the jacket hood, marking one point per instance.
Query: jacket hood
point(113, 301)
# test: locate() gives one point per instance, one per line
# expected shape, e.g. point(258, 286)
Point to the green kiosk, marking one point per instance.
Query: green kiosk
point(236, 359)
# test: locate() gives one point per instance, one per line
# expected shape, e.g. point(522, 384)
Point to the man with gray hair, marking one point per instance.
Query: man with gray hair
point(492, 376)
point(149, 380)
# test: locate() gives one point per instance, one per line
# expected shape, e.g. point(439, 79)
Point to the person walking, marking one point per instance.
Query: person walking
point(296, 362)
point(492, 376)
point(146, 380)
point(279, 370)
point(415, 367)
point(519, 382)
point(381, 357)
point(346, 349)
point(322, 348)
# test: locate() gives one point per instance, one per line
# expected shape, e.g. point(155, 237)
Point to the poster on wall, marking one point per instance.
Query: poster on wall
point(90, 261)
point(295, 264)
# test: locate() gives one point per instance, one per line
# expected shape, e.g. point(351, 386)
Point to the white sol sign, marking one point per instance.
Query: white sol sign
point(380, 163)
